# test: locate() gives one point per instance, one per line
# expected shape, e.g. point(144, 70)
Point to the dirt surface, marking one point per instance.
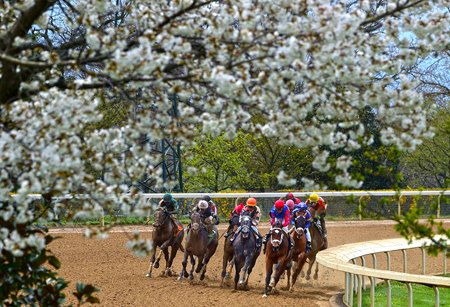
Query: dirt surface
point(120, 276)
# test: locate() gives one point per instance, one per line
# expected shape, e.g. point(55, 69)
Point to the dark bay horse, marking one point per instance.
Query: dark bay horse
point(228, 250)
point(198, 244)
point(165, 234)
point(277, 253)
point(318, 244)
point(299, 251)
point(245, 253)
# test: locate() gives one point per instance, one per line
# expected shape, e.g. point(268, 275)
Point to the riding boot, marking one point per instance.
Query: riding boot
point(291, 243)
point(175, 224)
point(324, 230)
point(308, 246)
point(318, 224)
point(266, 238)
point(235, 234)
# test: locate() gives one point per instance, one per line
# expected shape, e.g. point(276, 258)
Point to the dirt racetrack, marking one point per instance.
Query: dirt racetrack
point(120, 276)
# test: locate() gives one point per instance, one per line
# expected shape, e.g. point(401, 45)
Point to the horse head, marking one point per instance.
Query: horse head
point(246, 224)
point(276, 237)
point(300, 223)
point(196, 221)
point(160, 217)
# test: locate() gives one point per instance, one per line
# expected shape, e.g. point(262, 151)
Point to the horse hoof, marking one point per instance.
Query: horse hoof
point(156, 265)
point(148, 275)
point(191, 277)
point(186, 274)
point(291, 289)
point(264, 296)
point(308, 277)
point(179, 278)
point(202, 276)
point(227, 276)
point(302, 274)
point(315, 277)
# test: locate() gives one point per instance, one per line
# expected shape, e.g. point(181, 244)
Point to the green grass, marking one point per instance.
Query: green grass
point(422, 295)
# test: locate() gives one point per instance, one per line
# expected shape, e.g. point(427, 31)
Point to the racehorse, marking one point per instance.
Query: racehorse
point(165, 234)
point(245, 253)
point(277, 252)
point(318, 244)
point(228, 250)
point(198, 244)
point(299, 252)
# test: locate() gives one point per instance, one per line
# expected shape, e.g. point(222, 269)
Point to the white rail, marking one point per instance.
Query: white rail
point(339, 258)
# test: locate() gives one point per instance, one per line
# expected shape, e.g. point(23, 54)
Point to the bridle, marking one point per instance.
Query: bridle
point(157, 223)
point(276, 243)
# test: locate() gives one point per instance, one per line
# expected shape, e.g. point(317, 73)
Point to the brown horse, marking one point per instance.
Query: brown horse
point(318, 243)
point(200, 245)
point(165, 234)
point(277, 253)
point(228, 250)
point(299, 252)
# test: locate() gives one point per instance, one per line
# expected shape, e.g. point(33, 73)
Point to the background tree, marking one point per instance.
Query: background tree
point(226, 61)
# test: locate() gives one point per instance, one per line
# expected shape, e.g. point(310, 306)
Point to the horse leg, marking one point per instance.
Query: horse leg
point(311, 262)
point(288, 276)
point(316, 273)
point(156, 265)
point(200, 264)
point(166, 258)
point(225, 258)
point(297, 268)
point(230, 268)
point(269, 270)
point(152, 260)
point(238, 266)
point(281, 268)
point(183, 272)
point(173, 253)
point(245, 273)
point(191, 273)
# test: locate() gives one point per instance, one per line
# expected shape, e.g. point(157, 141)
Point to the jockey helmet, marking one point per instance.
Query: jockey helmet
point(167, 197)
point(314, 197)
point(290, 204)
point(202, 204)
point(251, 202)
point(207, 198)
point(290, 196)
point(279, 204)
point(302, 206)
point(297, 200)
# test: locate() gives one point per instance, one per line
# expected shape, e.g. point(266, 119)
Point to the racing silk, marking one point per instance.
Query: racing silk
point(255, 214)
point(213, 208)
point(284, 215)
point(205, 214)
point(305, 214)
point(172, 206)
point(320, 204)
point(237, 210)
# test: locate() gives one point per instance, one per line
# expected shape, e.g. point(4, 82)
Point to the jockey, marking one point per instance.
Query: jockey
point(171, 206)
point(213, 207)
point(255, 214)
point(297, 200)
point(237, 210)
point(290, 204)
point(205, 215)
point(302, 210)
point(320, 207)
point(288, 196)
point(279, 212)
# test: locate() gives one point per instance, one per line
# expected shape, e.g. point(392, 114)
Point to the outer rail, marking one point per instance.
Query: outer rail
point(339, 258)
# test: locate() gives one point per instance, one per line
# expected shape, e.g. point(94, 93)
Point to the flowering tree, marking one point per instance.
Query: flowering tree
point(306, 69)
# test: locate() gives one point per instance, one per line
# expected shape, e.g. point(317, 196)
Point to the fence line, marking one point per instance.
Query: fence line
point(339, 258)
